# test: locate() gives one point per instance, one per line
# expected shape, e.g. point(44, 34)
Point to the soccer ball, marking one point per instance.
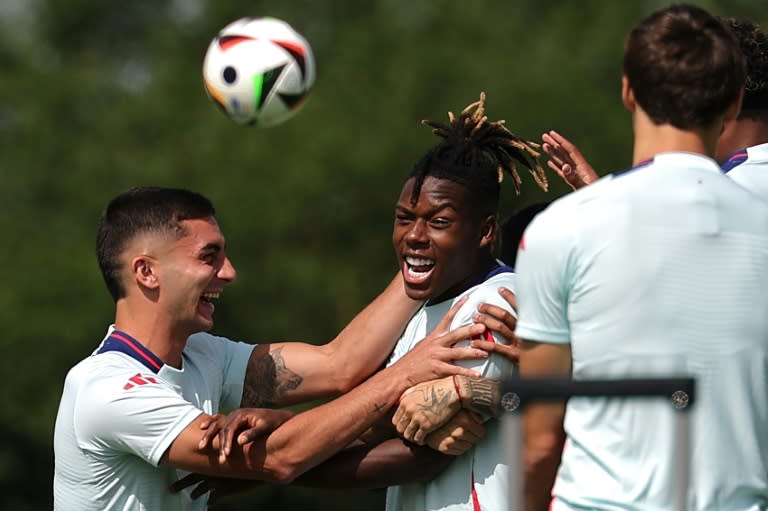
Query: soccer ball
point(259, 71)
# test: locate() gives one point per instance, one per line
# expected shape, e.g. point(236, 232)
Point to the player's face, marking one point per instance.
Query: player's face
point(193, 272)
point(438, 240)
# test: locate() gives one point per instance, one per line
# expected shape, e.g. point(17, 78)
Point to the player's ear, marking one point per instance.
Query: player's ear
point(627, 95)
point(143, 269)
point(488, 228)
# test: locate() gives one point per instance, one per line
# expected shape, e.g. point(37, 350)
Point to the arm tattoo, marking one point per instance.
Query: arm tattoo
point(481, 395)
point(267, 379)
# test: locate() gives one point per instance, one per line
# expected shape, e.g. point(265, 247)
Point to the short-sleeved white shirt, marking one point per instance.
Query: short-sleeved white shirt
point(661, 271)
point(119, 413)
point(484, 464)
point(749, 168)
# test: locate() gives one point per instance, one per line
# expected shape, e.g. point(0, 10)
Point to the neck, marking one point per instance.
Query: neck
point(652, 139)
point(483, 266)
point(742, 133)
point(153, 331)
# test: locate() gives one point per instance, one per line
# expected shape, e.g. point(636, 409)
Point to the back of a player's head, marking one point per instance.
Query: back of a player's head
point(684, 67)
point(754, 46)
point(142, 210)
point(475, 152)
point(513, 228)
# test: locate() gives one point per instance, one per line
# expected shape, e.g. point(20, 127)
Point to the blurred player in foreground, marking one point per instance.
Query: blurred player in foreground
point(134, 411)
point(659, 270)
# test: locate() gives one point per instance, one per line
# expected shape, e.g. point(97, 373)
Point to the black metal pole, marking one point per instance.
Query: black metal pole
point(517, 392)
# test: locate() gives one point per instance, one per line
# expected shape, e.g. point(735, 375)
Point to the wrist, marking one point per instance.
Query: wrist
point(457, 388)
point(481, 395)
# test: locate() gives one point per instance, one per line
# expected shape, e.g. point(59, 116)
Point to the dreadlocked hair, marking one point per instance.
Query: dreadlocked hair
point(475, 152)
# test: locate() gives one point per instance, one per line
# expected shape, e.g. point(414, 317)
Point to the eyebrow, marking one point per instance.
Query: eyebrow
point(212, 247)
point(433, 210)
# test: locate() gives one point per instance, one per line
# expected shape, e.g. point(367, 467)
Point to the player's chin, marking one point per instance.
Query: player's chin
point(419, 290)
point(204, 321)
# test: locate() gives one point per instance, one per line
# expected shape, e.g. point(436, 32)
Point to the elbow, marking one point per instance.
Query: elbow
point(346, 377)
point(347, 382)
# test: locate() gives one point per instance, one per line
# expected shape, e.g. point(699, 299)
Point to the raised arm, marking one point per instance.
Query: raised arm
point(567, 161)
point(285, 373)
point(311, 437)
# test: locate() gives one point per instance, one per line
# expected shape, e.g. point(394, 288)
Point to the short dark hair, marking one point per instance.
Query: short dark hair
point(141, 210)
point(475, 153)
point(754, 46)
point(684, 67)
point(513, 228)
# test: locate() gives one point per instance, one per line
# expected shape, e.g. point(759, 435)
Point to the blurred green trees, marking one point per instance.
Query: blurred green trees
point(100, 95)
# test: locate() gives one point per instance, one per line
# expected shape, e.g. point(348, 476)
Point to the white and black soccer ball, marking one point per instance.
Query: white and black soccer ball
point(259, 71)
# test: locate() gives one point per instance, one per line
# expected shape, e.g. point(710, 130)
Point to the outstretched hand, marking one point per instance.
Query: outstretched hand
point(433, 356)
point(567, 161)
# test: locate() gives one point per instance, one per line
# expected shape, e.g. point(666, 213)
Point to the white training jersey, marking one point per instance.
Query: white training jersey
point(476, 480)
point(749, 168)
point(661, 271)
point(121, 409)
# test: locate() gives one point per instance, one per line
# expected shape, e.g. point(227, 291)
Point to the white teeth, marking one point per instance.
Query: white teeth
point(211, 296)
point(417, 274)
point(415, 261)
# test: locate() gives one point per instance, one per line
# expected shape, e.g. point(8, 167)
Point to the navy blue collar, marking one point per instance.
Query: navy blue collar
point(124, 343)
point(495, 269)
point(735, 159)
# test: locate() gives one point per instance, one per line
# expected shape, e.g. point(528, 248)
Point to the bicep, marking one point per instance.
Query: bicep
point(185, 453)
point(281, 374)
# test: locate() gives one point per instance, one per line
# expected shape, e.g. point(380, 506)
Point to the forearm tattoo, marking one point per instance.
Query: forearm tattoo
point(481, 395)
point(267, 379)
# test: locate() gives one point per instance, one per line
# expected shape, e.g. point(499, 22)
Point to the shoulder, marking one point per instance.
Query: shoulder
point(569, 209)
point(99, 380)
point(485, 292)
point(206, 345)
point(488, 291)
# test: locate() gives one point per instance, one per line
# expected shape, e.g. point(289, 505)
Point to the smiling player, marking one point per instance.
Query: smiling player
point(445, 226)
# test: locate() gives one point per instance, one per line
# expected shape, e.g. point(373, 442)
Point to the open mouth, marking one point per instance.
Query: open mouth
point(417, 269)
point(209, 298)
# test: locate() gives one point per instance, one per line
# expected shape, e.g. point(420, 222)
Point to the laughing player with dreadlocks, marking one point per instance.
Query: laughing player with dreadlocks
point(446, 221)
point(445, 226)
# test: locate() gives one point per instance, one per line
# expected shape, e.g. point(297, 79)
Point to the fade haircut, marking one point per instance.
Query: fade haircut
point(684, 67)
point(138, 211)
point(475, 153)
point(754, 46)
